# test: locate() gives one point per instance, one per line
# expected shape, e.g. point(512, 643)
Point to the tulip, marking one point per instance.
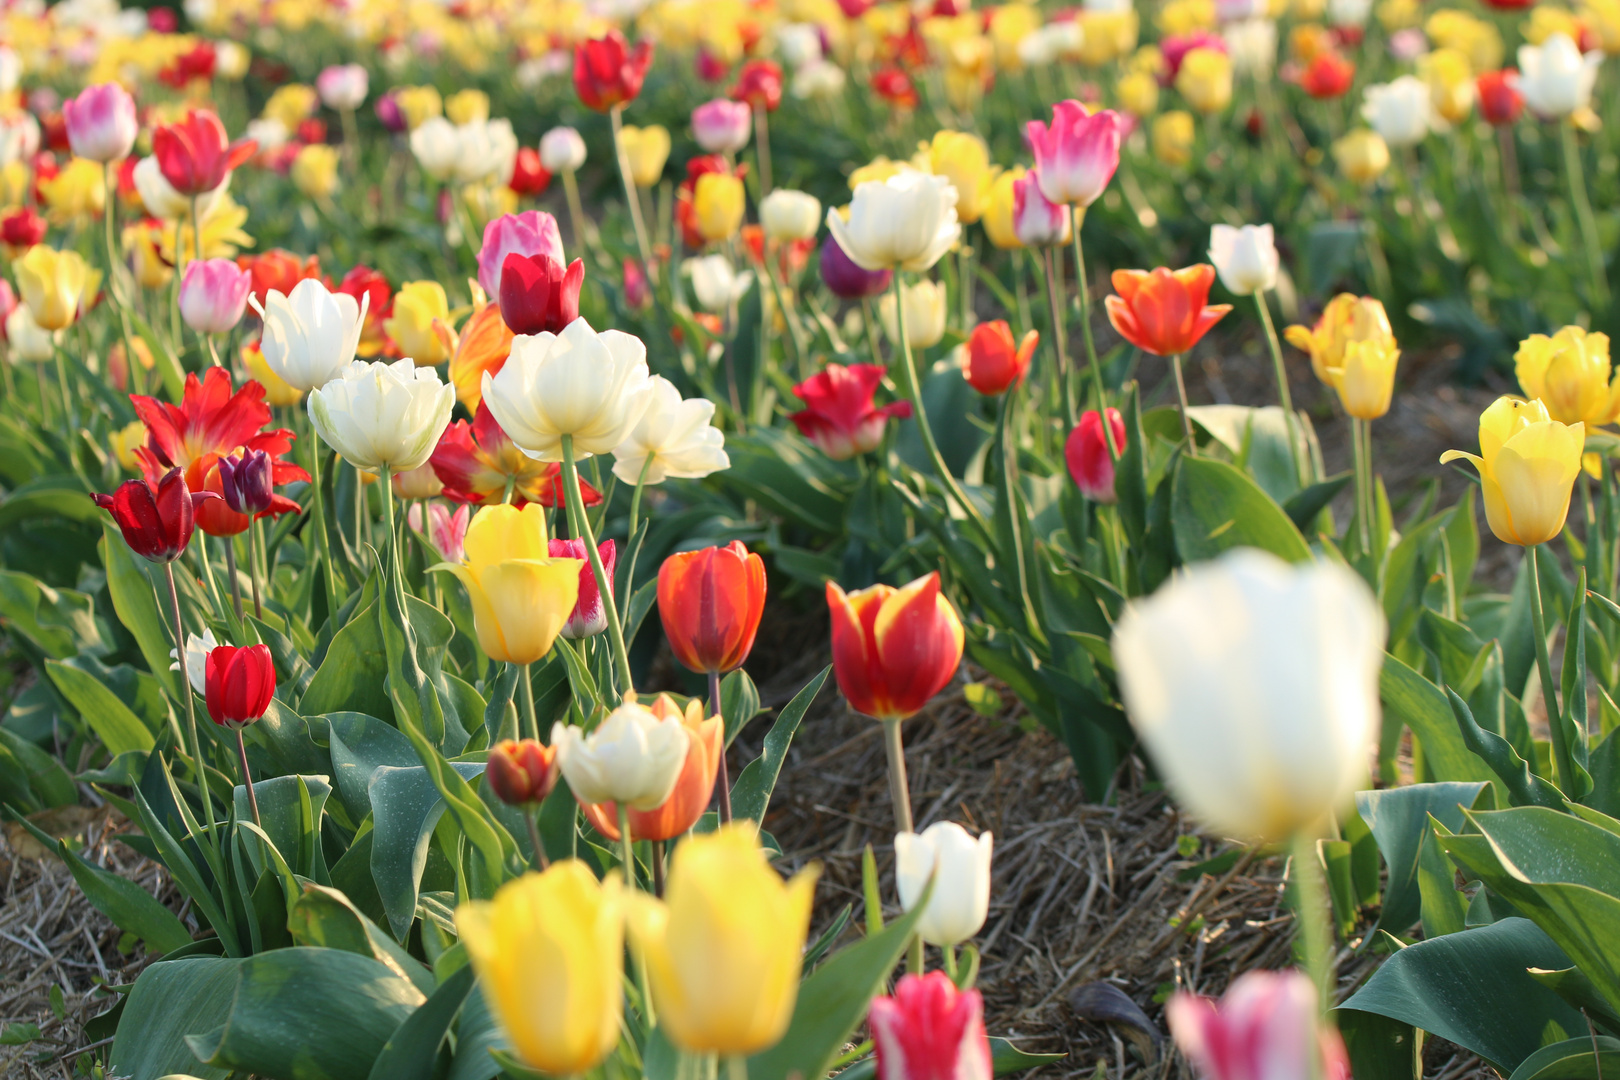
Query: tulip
point(240, 684)
point(1345, 321)
point(213, 295)
point(1036, 221)
point(1251, 754)
point(156, 520)
point(1527, 466)
point(818, 81)
point(958, 866)
point(1164, 312)
point(1400, 111)
point(1367, 380)
point(343, 86)
point(276, 390)
point(29, 342)
point(1252, 44)
point(893, 649)
point(467, 106)
point(1076, 156)
point(445, 531)
point(723, 950)
point(1137, 93)
point(995, 363)
point(588, 617)
point(421, 323)
point(998, 215)
point(845, 279)
point(310, 335)
point(1266, 1024)
point(77, 193)
point(1450, 80)
point(101, 122)
point(436, 147)
point(21, 229)
point(1172, 137)
point(538, 295)
point(591, 386)
point(142, 242)
point(123, 443)
point(716, 285)
point(717, 205)
point(929, 1030)
point(964, 159)
point(194, 154)
point(421, 482)
point(52, 284)
point(291, 103)
point(1090, 464)
point(1245, 258)
point(1569, 373)
point(710, 602)
point(485, 151)
point(907, 221)
point(418, 104)
point(694, 787)
point(790, 215)
point(632, 757)
point(521, 772)
point(521, 596)
point(247, 482)
point(280, 271)
point(382, 417)
point(1362, 155)
point(926, 311)
point(674, 438)
point(1205, 79)
point(315, 170)
point(721, 126)
point(476, 462)
point(160, 197)
point(839, 414)
point(607, 72)
point(531, 233)
point(1500, 100)
point(1555, 77)
point(561, 150)
point(1328, 75)
point(529, 176)
point(549, 955)
point(759, 83)
point(646, 149)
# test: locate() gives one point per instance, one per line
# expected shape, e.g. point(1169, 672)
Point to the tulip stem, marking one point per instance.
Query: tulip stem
point(333, 600)
point(627, 854)
point(658, 868)
point(1563, 760)
point(1059, 337)
point(254, 557)
point(899, 791)
point(531, 726)
point(247, 778)
point(762, 148)
point(196, 232)
point(230, 570)
point(603, 584)
point(635, 508)
point(793, 329)
point(1583, 214)
point(186, 695)
point(1082, 290)
point(722, 777)
point(530, 820)
point(1364, 526)
point(1181, 395)
point(616, 115)
point(736, 1067)
point(1310, 913)
point(1285, 396)
point(576, 213)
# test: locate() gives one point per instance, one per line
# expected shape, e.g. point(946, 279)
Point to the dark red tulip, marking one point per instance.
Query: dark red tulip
point(1500, 101)
point(709, 67)
point(529, 177)
point(521, 772)
point(760, 84)
point(1090, 464)
point(607, 72)
point(847, 280)
point(195, 154)
point(247, 481)
point(22, 228)
point(239, 684)
point(157, 522)
point(538, 294)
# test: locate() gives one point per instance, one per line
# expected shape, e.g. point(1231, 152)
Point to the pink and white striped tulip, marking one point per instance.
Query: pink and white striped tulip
point(1076, 156)
point(447, 532)
point(588, 616)
point(930, 1030)
point(533, 232)
point(101, 122)
point(722, 126)
point(343, 86)
point(1038, 222)
point(213, 295)
point(1265, 1027)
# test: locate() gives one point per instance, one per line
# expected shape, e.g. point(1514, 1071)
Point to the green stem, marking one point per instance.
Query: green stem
point(964, 289)
point(576, 212)
point(1363, 525)
point(1310, 911)
point(1285, 396)
point(333, 600)
point(186, 695)
point(247, 778)
point(630, 196)
point(1059, 338)
point(230, 572)
point(899, 790)
point(762, 149)
point(635, 497)
point(1583, 214)
point(621, 657)
point(530, 814)
point(254, 555)
point(531, 726)
point(1181, 396)
point(794, 330)
point(722, 781)
point(1082, 289)
point(627, 857)
point(1563, 759)
point(736, 1067)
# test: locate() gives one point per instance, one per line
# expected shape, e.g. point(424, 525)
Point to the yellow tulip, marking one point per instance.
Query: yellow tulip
point(291, 104)
point(418, 103)
point(1396, 15)
point(125, 441)
point(997, 218)
point(965, 160)
point(1603, 18)
point(878, 169)
point(1185, 16)
point(467, 106)
point(1010, 24)
point(1570, 372)
point(143, 244)
point(521, 597)
point(1547, 20)
point(723, 949)
point(1473, 37)
point(1451, 83)
point(717, 205)
point(315, 170)
point(277, 391)
point(1347, 320)
point(1205, 80)
point(77, 193)
point(1366, 381)
point(646, 149)
point(1172, 137)
point(1107, 35)
point(1138, 93)
point(421, 323)
point(222, 233)
point(1527, 464)
point(52, 284)
point(1363, 155)
point(548, 953)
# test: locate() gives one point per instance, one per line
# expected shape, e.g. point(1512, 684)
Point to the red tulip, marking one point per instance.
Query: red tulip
point(538, 294)
point(709, 67)
point(1163, 311)
point(710, 602)
point(529, 177)
point(760, 84)
point(21, 229)
point(280, 270)
point(588, 617)
point(521, 772)
point(1329, 75)
point(475, 461)
point(1090, 464)
point(157, 520)
point(239, 684)
point(854, 9)
point(839, 415)
point(1500, 101)
point(637, 293)
point(195, 155)
point(1266, 1024)
point(994, 362)
point(894, 86)
point(893, 649)
point(362, 282)
point(607, 72)
point(929, 1030)
point(197, 63)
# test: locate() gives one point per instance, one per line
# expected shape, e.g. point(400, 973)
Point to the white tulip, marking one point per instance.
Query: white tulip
point(19, 138)
point(1348, 12)
point(10, 69)
point(960, 868)
point(1108, 7)
point(311, 335)
point(926, 310)
point(1245, 258)
point(822, 79)
point(1401, 111)
point(790, 215)
point(30, 343)
point(562, 150)
point(674, 438)
point(714, 281)
point(1049, 44)
point(592, 386)
point(488, 149)
point(437, 146)
point(1555, 78)
point(631, 758)
point(1252, 45)
point(908, 220)
point(343, 86)
point(160, 198)
point(383, 417)
point(799, 44)
point(198, 646)
point(1254, 684)
point(269, 133)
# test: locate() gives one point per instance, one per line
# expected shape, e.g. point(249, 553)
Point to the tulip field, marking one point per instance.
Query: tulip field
point(780, 539)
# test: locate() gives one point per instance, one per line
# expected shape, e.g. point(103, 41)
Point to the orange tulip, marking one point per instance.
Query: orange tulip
point(485, 343)
point(521, 772)
point(693, 789)
point(710, 602)
point(893, 649)
point(1163, 311)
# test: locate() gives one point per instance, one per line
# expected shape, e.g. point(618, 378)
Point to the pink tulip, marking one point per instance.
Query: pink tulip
point(588, 616)
point(1076, 157)
point(1266, 1026)
point(533, 232)
point(101, 123)
point(722, 126)
point(444, 530)
point(343, 86)
point(1090, 464)
point(929, 1030)
point(1036, 221)
point(213, 294)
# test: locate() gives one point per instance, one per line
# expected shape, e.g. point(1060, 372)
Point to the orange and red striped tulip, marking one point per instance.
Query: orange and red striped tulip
point(1164, 311)
point(694, 788)
point(893, 649)
point(710, 602)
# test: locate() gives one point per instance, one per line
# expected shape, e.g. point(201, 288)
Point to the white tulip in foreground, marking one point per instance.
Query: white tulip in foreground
point(631, 758)
point(1555, 77)
point(592, 386)
point(1245, 258)
point(1254, 684)
point(906, 221)
point(311, 334)
point(960, 866)
point(383, 417)
point(674, 438)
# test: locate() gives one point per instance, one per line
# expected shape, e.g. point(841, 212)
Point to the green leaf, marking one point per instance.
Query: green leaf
point(477, 1034)
point(350, 676)
point(360, 745)
point(119, 729)
point(405, 809)
point(412, 1050)
point(290, 809)
point(1259, 433)
point(1380, 1048)
point(751, 794)
point(1304, 506)
point(1215, 507)
point(1523, 786)
point(1399, 820)
point(1573, 986)
point(42, 773)
point(168, 368)
point(739, 702)
point(58, 622)
point(1412, 700)
point(1444, 909)
point(171, 1001)
point(327, 918)
point(135, 599)
point(1572, 1059)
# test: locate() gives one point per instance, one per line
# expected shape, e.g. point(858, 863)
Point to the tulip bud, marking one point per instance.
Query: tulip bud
point(101, 122)
point(562, 150)
point(1205, 79)
point(247, 481)
point(157, 522)
point(959, 867)
point(1569, 373)
point(632, 757)
point(1172, 137)
point(1266, 1024)
point(537, 295)
point(710, 602)
point(1555, 77)
point(759, 83)
point(1076, 156)
point(239, 683)
point(879, 676)
point(343, 86)
point(1401, 111)
point(926, 311)
point(646, 149)
point(521, 772)
point(1087, 455)
point(994, 363)
point(930, 1030)
point(847, 280)
point(717, 205)
point(1500, 101)
point(1362, 155)
point(721, 126)
point(589, 617)
point(529, 176)
point(1246, 258)
point(418, 483)
point(790, 215)
point(213, 295)
point(607, 72)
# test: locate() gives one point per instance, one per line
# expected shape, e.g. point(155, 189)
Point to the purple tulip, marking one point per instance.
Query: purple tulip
point(247, 481)
point(847, 280)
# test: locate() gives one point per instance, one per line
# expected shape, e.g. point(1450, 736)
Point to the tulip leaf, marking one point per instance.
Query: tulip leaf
point(1581, 1058)
point(60, 623)
point(499, 705)
point(350, 676)
point(478, 1036)
point(1304, 505)
point(786, 476)
point(119, 729)
point(290, 811)
point(1414, 701)
point(1215, 507)
point(135, 600)
point(1523, 786)
point(1444, 910)
point(406, 807)
point(1573, 986)
point(1380, 1048)
point(739, 702)
point(1261, 436)
point(1399, 820)
point(359, 746)
point(171, 1000)
point(326, 917)
point(751, 794)
point(168, 368)
point(412, 1050)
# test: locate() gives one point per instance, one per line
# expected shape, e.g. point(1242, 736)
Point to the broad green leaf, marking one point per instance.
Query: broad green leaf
point(119, 729)
point(350, 676)
point(58, 622)
point(1215, 507)
point(1262, 435)
point(326, 918)
point(1573, 986)
point(135, 599)
point(1399, 820)
point(170, 1001)
point(42, 773)
point(359, 746)
point(1572, 1059)
point(1414, 701)
point(477, 1034)
point(1380, 1048)
point(739, 702)
point(405, 809)
point(751, 794)
point(1444, 909)
point(290, 809)
point(412, 1050)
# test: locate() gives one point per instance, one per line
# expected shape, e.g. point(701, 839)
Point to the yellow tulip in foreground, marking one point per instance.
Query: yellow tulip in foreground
point(521, 597)
point(723, 949)
point(1527, 465)
point(1569, 372)
point(421, 323)
point(51, 283)
point(548, 952)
